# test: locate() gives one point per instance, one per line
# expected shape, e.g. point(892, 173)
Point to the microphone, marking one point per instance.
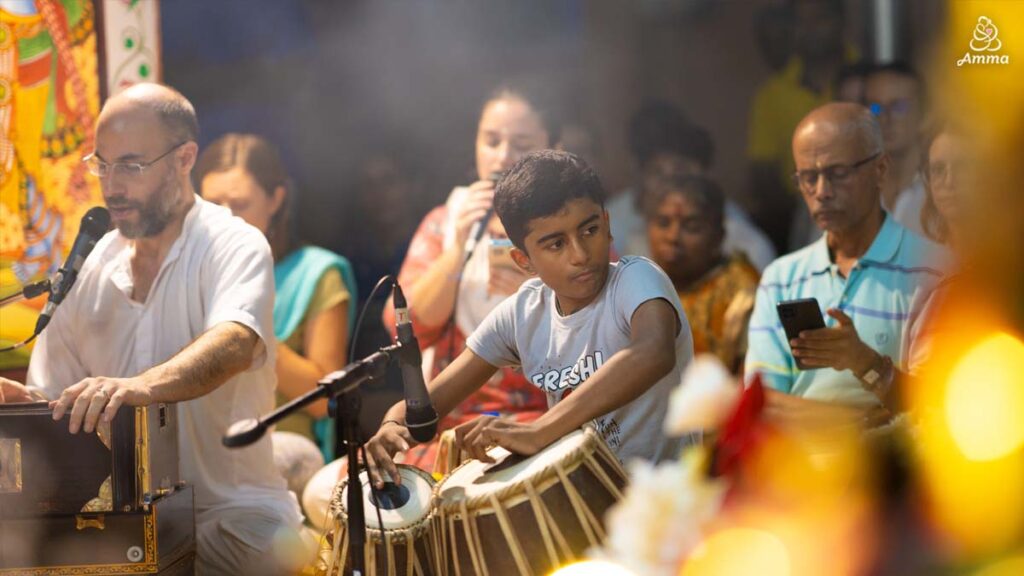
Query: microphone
point(94, 225)
point(420, 416)
point(244, 432)
point(476, 232)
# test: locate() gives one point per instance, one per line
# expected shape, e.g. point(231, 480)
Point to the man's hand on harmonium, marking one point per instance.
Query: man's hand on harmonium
point(95, 398)
point(11, 391)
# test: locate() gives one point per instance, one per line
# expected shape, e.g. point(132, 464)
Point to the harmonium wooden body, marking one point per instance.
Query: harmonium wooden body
point(108, 502)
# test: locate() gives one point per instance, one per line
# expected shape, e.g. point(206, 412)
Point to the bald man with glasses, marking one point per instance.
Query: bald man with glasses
point(869, 274)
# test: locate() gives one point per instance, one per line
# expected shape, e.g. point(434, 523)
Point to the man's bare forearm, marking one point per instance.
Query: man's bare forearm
point(201, 367)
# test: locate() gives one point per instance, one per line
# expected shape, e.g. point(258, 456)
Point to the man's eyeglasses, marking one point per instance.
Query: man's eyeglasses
point(898, 108)
point(101, 168)
point(835, 174)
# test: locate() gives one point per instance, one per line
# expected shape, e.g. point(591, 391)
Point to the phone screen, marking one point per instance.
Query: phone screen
point(797, 316)
point(500, 253)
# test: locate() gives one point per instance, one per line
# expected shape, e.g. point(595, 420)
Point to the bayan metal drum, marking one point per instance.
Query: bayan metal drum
point(316, 497)
point(398, 543)
point(526, 515)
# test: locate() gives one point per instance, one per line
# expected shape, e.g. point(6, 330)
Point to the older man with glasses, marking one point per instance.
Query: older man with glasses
point(174, 306)
point(870, 275)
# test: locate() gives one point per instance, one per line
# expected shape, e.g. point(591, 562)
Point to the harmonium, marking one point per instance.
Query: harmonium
point(108, 502)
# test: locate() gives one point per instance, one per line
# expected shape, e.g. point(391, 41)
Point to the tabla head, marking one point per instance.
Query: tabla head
point(475, 479)
point(400, 506)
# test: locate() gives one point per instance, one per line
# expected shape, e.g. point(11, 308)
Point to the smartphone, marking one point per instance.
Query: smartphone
point(797, 316)
point(500, 254)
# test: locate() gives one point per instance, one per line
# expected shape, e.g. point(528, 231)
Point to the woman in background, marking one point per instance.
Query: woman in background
point(948, 172)
point(685, 227)
point(315, 288)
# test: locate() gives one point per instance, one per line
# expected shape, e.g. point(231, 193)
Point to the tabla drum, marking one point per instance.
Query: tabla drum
point(406, 545)
point(316, 497)
point(526, 515)
point(449, 456)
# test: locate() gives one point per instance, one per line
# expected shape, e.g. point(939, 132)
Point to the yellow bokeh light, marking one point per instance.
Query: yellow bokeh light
point(984, 399)
point(739, 551)
point(592, 568)
point(1010, 567)
point(969, 448)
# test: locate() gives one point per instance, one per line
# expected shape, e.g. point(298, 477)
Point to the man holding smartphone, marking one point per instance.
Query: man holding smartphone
point(869, 274)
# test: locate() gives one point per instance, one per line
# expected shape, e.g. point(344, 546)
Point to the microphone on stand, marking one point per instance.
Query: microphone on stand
point(94, 225)
point(420, 415)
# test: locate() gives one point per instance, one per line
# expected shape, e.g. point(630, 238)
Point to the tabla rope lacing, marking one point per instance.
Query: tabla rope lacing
point(510, 537)
point(455, 551)
point(473, 542)
point(538, 512)
point(606, 481)
point(578, 506)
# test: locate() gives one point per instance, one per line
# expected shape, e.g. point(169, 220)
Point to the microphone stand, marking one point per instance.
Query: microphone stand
point(343, 385)
point(27, 292)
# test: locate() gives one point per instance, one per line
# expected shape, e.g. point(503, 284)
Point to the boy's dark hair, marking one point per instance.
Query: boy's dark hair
point(700, 190)
point(660, 127)
point(540, 185)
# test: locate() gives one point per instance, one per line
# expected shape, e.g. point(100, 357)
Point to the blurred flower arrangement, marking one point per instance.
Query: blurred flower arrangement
point(750, 500)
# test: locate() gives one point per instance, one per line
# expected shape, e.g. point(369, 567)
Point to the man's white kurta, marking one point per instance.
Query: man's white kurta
point(219, 270)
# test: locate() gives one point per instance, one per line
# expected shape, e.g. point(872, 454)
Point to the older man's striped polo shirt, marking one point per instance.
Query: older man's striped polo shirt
point(883, 296)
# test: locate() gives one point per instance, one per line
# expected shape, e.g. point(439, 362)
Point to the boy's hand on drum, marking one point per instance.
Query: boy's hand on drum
point(391, 439)
point(470, 438)
point(477, 436)
point(518, 437)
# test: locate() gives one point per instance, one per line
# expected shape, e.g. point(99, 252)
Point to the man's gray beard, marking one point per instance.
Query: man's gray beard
point(156, 214)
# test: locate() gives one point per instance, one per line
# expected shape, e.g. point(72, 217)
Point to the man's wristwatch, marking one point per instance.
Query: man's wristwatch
point(878, 378)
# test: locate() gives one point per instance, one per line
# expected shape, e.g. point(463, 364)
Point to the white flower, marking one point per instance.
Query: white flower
point(704, 399)
point(662, 516)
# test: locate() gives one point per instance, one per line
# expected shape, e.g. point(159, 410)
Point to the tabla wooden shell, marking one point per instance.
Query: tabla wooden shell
point(533, 522)
point(403, 551)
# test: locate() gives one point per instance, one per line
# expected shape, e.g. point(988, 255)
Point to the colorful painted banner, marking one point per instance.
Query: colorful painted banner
point(51, 63)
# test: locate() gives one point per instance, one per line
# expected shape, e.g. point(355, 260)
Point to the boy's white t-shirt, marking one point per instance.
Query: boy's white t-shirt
point(558, 353)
